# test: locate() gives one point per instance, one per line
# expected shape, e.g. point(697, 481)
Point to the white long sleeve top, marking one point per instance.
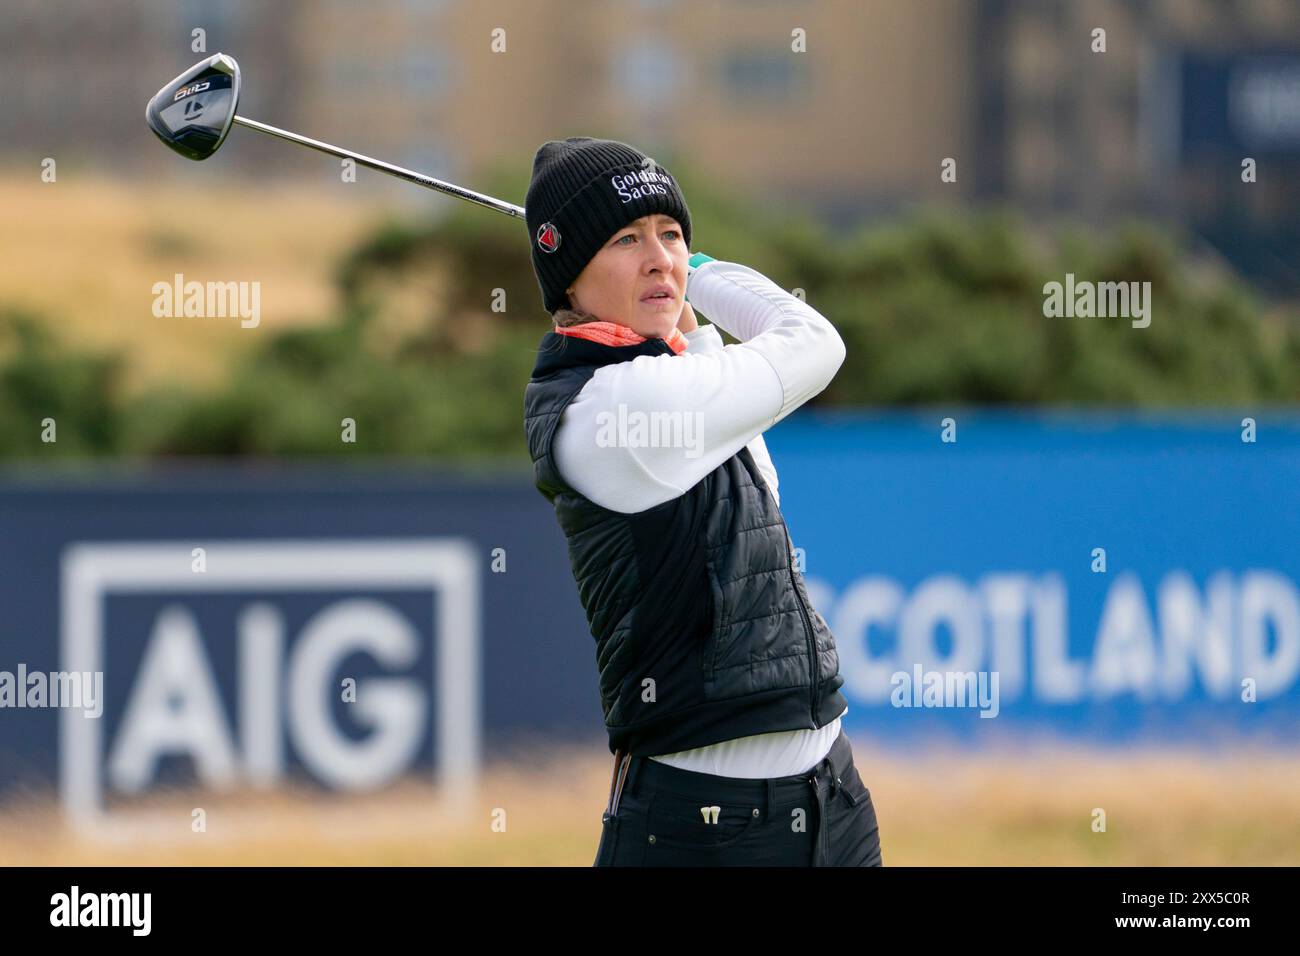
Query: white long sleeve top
point(787, 353)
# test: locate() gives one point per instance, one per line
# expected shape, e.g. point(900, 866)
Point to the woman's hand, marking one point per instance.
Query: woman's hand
point(687, 322)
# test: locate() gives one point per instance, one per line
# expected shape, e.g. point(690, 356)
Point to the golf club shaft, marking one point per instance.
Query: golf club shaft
point(428, 182)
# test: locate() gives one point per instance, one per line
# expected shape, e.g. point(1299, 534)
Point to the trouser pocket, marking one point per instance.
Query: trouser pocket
point(605, 852)
point(623, 836)
point(852, 787)
point(853, 837)
point(694, 823)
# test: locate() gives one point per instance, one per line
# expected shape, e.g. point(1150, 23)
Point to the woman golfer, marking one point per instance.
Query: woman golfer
point(718, 680)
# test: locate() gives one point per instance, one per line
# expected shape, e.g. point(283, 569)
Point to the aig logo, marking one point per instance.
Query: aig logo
point(237, 668)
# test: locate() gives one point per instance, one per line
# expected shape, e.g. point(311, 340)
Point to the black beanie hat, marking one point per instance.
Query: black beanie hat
point(583, 191)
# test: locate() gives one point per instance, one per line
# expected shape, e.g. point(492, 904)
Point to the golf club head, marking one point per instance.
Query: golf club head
point(192, 114)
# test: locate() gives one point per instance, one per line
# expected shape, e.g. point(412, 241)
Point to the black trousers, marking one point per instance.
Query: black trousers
point(659, 815)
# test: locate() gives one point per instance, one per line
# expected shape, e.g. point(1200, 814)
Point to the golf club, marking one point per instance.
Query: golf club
point(194, 112)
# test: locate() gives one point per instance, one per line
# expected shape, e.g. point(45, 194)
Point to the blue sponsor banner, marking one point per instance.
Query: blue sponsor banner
point(1126, 579)
point(248, 626)
point(1110, 580)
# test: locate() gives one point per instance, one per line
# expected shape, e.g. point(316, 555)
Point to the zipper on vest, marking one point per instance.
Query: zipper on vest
point(807, 627)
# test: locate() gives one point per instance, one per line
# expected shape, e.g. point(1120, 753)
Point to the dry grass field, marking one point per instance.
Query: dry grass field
point(945, 809)
point(85, 253)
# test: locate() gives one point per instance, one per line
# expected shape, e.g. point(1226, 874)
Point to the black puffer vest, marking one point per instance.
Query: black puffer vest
point(704, 631)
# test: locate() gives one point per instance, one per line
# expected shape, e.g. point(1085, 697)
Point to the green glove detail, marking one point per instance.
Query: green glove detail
point(693, 263)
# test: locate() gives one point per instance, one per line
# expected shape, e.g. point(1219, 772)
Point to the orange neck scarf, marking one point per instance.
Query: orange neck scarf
point(611, 333)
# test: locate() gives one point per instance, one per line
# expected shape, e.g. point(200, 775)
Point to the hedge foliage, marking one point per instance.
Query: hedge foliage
point(434, 340)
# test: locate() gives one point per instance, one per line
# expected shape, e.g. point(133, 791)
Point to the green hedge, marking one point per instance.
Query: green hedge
point(937, 308)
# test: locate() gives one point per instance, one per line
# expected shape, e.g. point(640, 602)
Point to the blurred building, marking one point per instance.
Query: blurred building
point(1159, 124)
point(845, 108)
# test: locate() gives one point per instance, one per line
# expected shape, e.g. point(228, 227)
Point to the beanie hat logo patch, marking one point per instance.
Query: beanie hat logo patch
point(548, 237)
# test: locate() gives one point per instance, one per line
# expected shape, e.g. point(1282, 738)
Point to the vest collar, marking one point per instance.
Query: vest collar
point(599, 343)
point(611, 333)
